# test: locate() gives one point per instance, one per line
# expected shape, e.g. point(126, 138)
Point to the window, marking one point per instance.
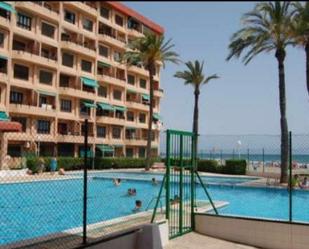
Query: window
point(69, 16)
point(104, 12)
point(129, 152)
point(141, 152)
point(14, 150)
point(16, 97)
point(66, 105)
point(119, 20)
point(18, 45)
point(21, 72)
point(102, 91)
point(131, 79)
point(116, 132)
point(103, 51)
point(22, 121)
point(86, 66)
point(130, 116)
point(142, 118)
point(42, 101)
point(5, 14)
point(2, 40)
point(117, 94)
point(43, 127)
point(87, 24)
point(101, 131)
point(64, 80)
point(67, 59)
point(143, 83)
point(46, 77)
point(3, 65)
point(84, 110)
point(48, 30)
point(63, 128)
point(117, 56)
point(23, 21)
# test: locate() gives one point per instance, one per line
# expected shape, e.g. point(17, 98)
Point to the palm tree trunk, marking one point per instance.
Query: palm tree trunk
point(150, 119)
point(307, 64)
point(195, 116)
point(280, 55)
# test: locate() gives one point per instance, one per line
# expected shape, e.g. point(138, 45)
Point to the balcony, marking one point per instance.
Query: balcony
point(76, 93)
point(3, 77)
point(110, 120)
point(70, 137)
point(112, 40)
point(45, 110)
point(34, 58)
point(82, 7)
point(111, 80)
point(138, 70)
point(79, 48)
point(158, 93)
point(136, 105)
point(5, 22)
point(38, 8)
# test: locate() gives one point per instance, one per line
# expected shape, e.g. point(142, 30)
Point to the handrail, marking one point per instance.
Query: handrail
point(209, 198)
point(158, 199)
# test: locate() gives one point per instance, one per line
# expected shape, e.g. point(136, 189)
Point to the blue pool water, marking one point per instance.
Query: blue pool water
point(35, 209)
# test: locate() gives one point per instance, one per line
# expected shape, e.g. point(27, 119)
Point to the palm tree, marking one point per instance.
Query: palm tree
point(266, 29)
point(146, 51)
point(194, 76)
point(300, 31)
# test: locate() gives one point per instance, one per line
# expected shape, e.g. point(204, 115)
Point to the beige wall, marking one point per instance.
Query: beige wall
point(263, 234)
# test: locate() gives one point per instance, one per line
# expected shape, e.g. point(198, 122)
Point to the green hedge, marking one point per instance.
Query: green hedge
point(231, 167)
point(235, 167)
point(71, 163)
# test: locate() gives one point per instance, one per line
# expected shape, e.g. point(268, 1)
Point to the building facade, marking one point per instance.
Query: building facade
point(60, 64)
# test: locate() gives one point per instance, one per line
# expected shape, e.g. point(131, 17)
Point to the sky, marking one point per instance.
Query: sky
point(245, 100)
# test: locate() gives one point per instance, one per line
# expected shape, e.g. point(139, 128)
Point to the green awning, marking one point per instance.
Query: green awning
point(47, 93)
point(89, 153)
point(89, 82)
point(156, 116)
point(120, 108)
point(145, 96)
point(3, 57)
point(105, 106)
point(4, 116)
point(101, 63)
point(131, 91)
point(7, 7)
point(105, 148)
point(89, 104)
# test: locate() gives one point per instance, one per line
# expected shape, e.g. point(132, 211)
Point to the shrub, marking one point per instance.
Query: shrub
point(235, 167)
point(207, 166)
point(121, 162)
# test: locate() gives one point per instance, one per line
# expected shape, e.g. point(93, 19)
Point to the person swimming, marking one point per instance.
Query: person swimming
point(154, 181)
point(131, 191)
point(138, 206)
point(117, 181)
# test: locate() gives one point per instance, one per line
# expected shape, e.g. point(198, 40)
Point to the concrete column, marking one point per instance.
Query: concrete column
point(3, 151)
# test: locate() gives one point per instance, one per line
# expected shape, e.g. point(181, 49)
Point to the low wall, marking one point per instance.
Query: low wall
point(254, 232)
point(152, 236)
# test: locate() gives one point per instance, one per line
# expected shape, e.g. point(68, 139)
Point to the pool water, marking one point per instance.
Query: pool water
point(30, 210)
point(222, 180)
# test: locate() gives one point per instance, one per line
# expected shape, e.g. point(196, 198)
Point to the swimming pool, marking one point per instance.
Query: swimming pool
point(221, 180)
point(35, 209)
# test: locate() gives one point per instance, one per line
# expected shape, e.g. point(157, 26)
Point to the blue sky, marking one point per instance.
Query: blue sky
point(245, 99)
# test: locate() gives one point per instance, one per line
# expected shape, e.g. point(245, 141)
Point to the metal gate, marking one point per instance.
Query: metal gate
point(180, 160)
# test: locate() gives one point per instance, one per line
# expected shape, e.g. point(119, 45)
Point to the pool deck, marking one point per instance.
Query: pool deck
point(198, 241)
point(73, 237)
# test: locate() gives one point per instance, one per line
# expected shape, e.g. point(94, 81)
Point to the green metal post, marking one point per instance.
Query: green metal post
point(193, 162)
point(159, 197)
point(168, 165)
point(248, 156)
point(290, 179)
point(209, 198)
point(181, 185)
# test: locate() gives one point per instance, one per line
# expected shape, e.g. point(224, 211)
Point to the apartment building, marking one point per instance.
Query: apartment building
point(59, 64)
